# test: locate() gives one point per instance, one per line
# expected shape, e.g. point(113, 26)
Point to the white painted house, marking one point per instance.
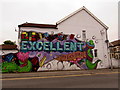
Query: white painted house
point(84, 25)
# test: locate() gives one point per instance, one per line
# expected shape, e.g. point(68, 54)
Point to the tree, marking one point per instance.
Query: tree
point(9, 42)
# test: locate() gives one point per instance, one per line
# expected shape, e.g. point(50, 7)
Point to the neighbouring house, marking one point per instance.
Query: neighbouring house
point(114, 48)
point(78, 41)
point(6, 49)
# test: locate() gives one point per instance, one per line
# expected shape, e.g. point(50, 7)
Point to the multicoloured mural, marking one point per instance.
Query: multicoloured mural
point(43, 51)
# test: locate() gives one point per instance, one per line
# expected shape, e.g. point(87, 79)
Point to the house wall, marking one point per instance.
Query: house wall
point(4, 52)
point(75, 25)
point(115, 52)
point(83, 21)
point(115, 56)
point(32, 58)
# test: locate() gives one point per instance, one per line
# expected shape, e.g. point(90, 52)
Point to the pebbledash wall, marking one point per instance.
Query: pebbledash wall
point(78, 41)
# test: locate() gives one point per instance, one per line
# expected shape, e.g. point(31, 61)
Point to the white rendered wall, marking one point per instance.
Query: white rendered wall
point(83, 21)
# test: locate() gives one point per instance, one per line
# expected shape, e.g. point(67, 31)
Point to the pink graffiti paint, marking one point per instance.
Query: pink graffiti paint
point(23, 56)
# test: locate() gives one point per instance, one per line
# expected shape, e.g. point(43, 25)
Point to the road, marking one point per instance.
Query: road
point(69, 80)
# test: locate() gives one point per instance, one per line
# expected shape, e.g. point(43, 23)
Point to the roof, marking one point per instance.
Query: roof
point(77, 11)
point(114, 43)
point(8, 47)
point(38, 25)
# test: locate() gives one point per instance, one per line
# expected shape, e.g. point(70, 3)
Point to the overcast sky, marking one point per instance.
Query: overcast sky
point(15, 12)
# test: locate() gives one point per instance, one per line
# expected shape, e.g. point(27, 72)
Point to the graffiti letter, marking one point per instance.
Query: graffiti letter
point(24, 36)
point(73, 46)
point(40, 35)
point(46, 34)
point(58, 47)
point(39, 46)
point(33, 36)
point(32, 44)
point(67, 44)
point(51, 47)
point(24, 45)
point(80, 46)
point(46, 46)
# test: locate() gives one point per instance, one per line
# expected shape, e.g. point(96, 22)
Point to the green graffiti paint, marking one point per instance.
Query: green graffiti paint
point(91, 42)
point(91, 65)
point(9, 67)
point(26, 68)
point(89, 53)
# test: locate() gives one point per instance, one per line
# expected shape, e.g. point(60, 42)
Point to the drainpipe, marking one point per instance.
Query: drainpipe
point(108, 50)
point(19, 39)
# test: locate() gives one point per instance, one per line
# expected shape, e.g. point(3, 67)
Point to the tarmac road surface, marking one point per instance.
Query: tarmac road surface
point(62, 79)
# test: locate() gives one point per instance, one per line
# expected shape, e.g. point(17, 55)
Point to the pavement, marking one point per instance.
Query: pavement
point(57, 73)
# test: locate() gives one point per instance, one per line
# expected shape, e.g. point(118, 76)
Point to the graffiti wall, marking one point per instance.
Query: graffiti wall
point(43, 51)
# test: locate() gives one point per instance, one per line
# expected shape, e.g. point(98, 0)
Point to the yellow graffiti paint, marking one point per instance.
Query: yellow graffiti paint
point(24, 33)
point(40, 35)
point(33, 33)
point(42, 61)
point(30, 38)
point(50, 54)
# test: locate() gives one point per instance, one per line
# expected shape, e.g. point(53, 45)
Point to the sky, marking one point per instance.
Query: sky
point(16, 12)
